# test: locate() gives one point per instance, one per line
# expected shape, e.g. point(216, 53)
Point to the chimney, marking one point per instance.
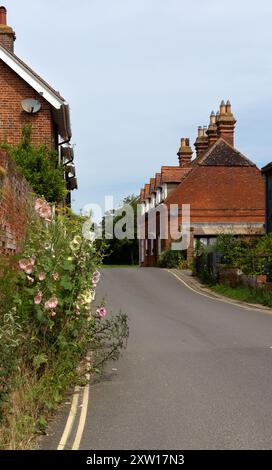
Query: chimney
point(7, 35)
point(226, 123)
point(212, 129)
point(185, 153)
point(202, 141)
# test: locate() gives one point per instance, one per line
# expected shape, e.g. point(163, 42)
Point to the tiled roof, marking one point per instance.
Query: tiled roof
point(158, 180)
point(146, 191)
point(142, 193)
point(223, 154)
point(173, 174)
point(152, 185)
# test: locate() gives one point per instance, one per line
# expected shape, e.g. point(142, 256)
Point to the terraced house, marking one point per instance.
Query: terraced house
point(225, 191)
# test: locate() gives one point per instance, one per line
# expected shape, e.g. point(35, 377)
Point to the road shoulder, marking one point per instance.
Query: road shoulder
point(186, 277)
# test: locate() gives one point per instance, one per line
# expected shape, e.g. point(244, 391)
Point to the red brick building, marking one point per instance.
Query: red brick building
point(225, 191)
point(25, 98)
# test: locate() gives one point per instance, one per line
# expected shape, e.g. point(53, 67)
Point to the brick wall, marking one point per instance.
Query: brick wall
point(14, 194)
point(12, 118)
point(223, 194)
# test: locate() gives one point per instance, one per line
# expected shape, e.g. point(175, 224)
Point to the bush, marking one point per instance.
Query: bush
point(39, 165)
point(171, 259)
point(48, 321)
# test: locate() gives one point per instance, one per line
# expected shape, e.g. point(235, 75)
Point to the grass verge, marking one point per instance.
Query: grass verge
point(246, 294)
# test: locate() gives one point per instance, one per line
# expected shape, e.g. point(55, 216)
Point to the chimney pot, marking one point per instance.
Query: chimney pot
point(228, 107)
point(199, 131)
point(3, 15)
point(212, 119)
point(7, 35)
point(222, 107)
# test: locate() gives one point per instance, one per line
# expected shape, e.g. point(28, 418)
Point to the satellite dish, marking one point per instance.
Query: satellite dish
point(31, 106)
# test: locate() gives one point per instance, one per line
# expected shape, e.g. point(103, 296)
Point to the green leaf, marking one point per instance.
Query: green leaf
point(39, 360)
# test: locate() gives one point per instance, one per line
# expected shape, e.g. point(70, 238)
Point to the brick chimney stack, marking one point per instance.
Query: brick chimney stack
point(185, 153)
point(212, 130)
point(226, 123)
point(202, 141)
point(7, 35)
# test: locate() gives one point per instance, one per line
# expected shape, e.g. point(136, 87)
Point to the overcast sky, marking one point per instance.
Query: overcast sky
point(141, 74)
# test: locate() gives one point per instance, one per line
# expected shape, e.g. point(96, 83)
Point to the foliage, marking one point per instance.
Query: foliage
point(39, 165)
point(257, 296)
point(251, 254)
point(48, 321)
point(125, 251)
point(171, 259)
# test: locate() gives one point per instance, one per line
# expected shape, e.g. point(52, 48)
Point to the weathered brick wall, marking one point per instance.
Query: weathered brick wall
point(14, 194)
point(12, 117)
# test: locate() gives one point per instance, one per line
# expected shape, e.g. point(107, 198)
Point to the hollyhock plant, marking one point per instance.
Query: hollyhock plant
point(101, 312)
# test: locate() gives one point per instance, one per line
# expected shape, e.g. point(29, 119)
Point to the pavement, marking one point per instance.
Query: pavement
point(196, 373)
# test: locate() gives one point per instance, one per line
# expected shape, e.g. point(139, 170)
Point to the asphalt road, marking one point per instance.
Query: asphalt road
point(197, 373)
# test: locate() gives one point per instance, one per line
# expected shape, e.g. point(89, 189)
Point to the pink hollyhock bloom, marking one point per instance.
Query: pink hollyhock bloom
point(43, 209)
point(28, 269)
point(51, 304)
point(39, 204)
point(56, 276)
point(38, 298)
point(101, 312)
point(23, 264)
point(30, 279)
point(42, 276)
point(46, 212)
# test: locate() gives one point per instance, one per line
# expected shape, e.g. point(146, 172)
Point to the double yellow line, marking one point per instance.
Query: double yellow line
point(74, 412)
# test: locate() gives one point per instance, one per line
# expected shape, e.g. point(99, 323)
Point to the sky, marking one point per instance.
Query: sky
point(141, 74)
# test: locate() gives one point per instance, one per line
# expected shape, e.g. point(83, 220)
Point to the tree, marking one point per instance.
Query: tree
point(125, 251)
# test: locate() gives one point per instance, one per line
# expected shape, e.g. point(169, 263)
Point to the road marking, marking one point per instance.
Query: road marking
point(73, 413)
point(217, 298)
point(70, 420)
point(84, 411)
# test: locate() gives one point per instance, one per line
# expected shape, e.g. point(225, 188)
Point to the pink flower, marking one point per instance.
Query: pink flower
point(39, 204)
point(38, 298)
point(23, 264)
point(56, 276)
point(42, 276)
point(26, 265)
point(46, 213)
point(33, 260)
point(43, 209)
point(101, 312)
point(51, 304)
point(28, 269)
